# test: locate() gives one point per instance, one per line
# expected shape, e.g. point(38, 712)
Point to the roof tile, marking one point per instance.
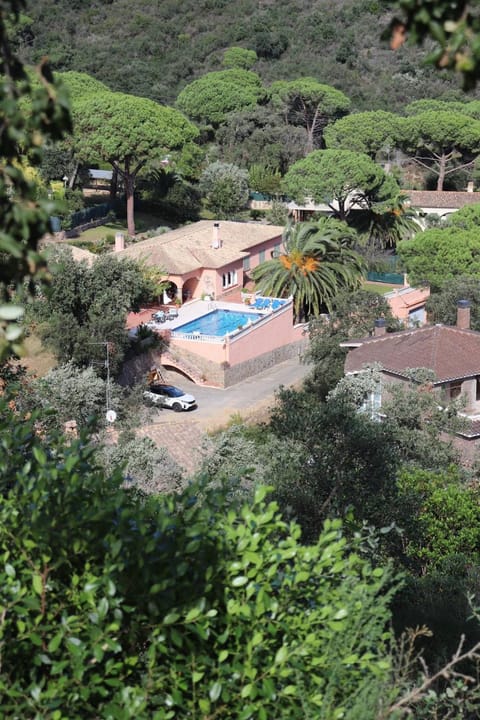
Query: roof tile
point(190, 247)
point(451, 353)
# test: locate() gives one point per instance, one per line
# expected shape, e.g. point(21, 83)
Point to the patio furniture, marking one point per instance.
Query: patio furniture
point(171, 314)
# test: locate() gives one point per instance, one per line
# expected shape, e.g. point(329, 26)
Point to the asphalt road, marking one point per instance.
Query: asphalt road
point(217, 405)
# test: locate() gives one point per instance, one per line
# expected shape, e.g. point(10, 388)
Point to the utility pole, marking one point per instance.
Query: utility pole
point(110, 414)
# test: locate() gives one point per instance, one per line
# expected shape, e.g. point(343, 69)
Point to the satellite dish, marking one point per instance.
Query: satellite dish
point(111, 416)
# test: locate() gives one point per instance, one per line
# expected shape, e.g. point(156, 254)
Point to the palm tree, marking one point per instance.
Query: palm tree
point(386, 223)
point(316, 263)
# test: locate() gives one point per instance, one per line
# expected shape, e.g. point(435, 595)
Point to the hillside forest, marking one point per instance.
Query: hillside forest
point(324, 562)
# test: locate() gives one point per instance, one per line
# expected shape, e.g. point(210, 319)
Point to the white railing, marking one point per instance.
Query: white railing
point(197, 337)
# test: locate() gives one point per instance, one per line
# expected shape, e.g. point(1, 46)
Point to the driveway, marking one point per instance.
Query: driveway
point(182, 433)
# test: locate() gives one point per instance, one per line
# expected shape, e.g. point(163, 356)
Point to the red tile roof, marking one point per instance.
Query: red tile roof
point(451, 353)
point(444, 199)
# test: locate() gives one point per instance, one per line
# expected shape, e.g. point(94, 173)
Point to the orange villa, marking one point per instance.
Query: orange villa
point(207, 265)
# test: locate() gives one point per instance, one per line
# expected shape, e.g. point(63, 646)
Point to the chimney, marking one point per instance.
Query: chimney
point(463, 314)
point(470, 186)
point(380, 327)
point(119, 242)
point(216, 242)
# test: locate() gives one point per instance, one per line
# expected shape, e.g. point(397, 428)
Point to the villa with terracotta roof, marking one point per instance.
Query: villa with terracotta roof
point(442, 203)
point(208, 258)
point(452, 353)
point(207, 265)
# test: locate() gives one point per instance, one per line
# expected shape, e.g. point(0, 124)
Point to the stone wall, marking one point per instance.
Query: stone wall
point(237, 373)
point(135, 369)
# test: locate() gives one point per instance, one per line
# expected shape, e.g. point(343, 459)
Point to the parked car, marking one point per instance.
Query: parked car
point(169, 396)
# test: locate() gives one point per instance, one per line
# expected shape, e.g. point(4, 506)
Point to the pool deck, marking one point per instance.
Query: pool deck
point(187, 312)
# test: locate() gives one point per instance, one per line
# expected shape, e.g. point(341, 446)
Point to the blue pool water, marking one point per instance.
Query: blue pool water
point(218, 322)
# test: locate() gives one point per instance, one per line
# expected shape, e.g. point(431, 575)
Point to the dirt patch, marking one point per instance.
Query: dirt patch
point(37, 359)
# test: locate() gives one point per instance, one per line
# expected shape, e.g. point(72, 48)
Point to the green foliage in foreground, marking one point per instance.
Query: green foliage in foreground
point(113, 607)
point(446, 519)
point(24, 219)
point(454, 29)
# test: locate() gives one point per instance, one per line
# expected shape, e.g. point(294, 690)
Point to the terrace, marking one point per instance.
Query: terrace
point(225, 342)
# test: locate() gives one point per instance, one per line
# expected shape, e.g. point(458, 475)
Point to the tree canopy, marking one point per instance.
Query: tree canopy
point(84, 307)
point(129, 133)
point(372, 133)
point(68, 393)
point(467, 218)
point(307, 103)
point(238, 57)
point(339, 178)
point(442, 142)
point(79, 84)
point(260, 133)
point(434, 105)
point(225, 187)
point(211, 98)
point(437, 256)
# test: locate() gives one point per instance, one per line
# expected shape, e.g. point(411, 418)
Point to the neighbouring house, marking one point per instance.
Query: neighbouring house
point(441, 203)
point(100, 179)
point(207, 258)
point(452, 353)
point(408, 305)
point(301, 212)
point(427, 202)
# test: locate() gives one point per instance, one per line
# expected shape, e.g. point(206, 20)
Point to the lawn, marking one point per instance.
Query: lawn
point(380, 288)
point(143, 223)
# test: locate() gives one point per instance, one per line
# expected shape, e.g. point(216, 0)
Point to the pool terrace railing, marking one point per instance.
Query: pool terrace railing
point(197, 337)
point(233, 335)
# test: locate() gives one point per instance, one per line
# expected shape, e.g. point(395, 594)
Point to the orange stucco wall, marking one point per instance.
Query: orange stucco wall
point(274, 332)
point(210, 279)
point(405, 300)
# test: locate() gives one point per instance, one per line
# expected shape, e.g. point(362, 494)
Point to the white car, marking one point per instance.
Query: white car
point(169, 396)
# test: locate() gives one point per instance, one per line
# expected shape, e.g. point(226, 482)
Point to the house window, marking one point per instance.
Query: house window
point(372, 403)
point(416, 317)
point(261, 256)
point(229, 279)
point(246, 263)
point(276, 251)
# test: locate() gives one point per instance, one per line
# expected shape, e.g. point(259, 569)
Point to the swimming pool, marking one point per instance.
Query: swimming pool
point(218, 322)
